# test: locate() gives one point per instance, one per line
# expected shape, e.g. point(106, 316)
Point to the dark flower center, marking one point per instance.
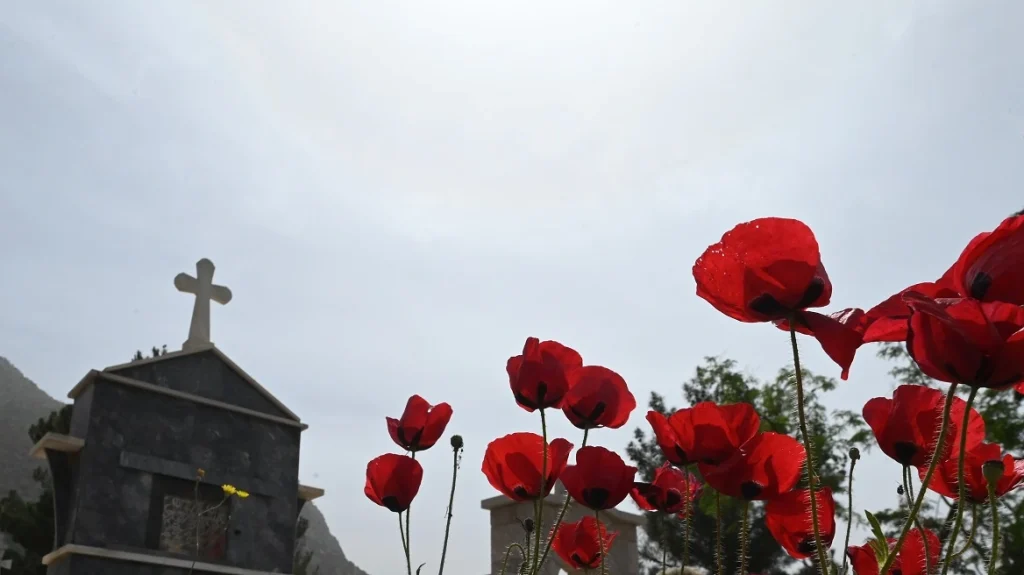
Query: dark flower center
point(672, 498)
point(683, 459)
point(521, 491)
point(980, 285)
point(410, 444)
point(591, 420)
point(595, 497)
point(751, 489)
point(766, 304)
point(594, 561)
point(807, 546)
point(391, 502)
point(905, 451)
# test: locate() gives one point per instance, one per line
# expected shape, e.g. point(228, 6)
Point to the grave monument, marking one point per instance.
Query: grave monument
point(507, 518)
point(129, 496)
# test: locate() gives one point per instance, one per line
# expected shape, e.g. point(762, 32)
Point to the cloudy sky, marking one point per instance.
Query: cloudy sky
point(398, 193)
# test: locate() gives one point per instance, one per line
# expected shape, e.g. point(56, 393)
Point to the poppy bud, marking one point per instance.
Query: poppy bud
point(456, 442)
point(854, 454)
point(993, 471)
point(899, 490)
point(528, 525)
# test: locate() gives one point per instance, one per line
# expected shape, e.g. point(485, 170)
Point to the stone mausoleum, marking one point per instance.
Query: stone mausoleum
point(507, 518)
point(128, 494)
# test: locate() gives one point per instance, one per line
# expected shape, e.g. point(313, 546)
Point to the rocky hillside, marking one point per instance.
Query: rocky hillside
point(22, 403)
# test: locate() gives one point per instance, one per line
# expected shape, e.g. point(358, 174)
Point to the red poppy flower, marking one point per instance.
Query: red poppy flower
point(967, 341)
point(888, 320)
point(540, 376)
point(763, 270)
point(672, 491)
point(911, 560)
point(514, 463)
point(764, 468)
point(770, 269)
point(421, 424)
point(788, 519)
point(706, 432)
point(578, 544)
point(863, 559)
point(989, 269)
point(944, 481)
point(906, 425)
point(598, 397)
point(392, 481)
point(600, 479)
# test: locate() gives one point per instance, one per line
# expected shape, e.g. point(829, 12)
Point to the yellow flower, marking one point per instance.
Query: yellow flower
point(242, 494)
point(201, 472)
point(229, 489)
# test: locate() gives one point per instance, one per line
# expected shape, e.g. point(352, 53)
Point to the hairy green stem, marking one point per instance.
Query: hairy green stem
point(908, 490)
point(961, 484)
point(940, 444)
point(408, 532)
point(686, 522)
point(992, 503)
point(600, 542)
point(744, 537)
point(849, 523)
point(664, 553)
point(539, 525)
point(970, 535)
point(504, 562)
point(719, 563)
point(405, 543)
point(451, 504)
point(561, 514)
point(812, 471)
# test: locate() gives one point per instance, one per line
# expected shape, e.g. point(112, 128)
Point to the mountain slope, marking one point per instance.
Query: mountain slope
point(327, 553)
point(22, 403)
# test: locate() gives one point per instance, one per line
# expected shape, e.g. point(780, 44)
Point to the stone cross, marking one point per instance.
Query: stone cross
point(204, 289)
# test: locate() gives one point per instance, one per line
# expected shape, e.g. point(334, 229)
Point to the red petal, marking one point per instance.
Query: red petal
point(990, 267)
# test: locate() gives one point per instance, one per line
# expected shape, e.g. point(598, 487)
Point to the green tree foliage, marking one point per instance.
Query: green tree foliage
point(1003, 412)
point(30, 523)
point(303, 557)
point(834, 432)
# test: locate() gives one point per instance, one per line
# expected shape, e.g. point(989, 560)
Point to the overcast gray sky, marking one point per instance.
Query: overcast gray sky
point(398, 193)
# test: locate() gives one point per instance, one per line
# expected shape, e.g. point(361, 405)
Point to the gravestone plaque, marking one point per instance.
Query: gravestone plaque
point(138, 480)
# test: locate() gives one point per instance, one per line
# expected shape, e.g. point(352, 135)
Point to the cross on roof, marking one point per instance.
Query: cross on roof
point(204, 289)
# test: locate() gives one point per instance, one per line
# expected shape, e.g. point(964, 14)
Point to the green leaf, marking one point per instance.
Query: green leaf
point(880, 545)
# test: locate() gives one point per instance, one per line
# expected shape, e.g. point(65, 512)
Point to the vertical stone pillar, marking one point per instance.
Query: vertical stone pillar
point(507, 528)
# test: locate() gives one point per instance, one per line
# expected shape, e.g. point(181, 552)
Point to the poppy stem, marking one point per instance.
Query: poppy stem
point(405, 544)
point(504, 562)
point(456, 449)
point(539, 524)
point(744, 537)
point(961, 484)
point(664, 552)
point(812, 471)
point(908, 490)
point(970, 536)
point(408, 532)
point(940, 444)
point(993, 504)
point(849, 522)
point(561, 514)
point(600, 542)
point(686, 525)
point(719, 564)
